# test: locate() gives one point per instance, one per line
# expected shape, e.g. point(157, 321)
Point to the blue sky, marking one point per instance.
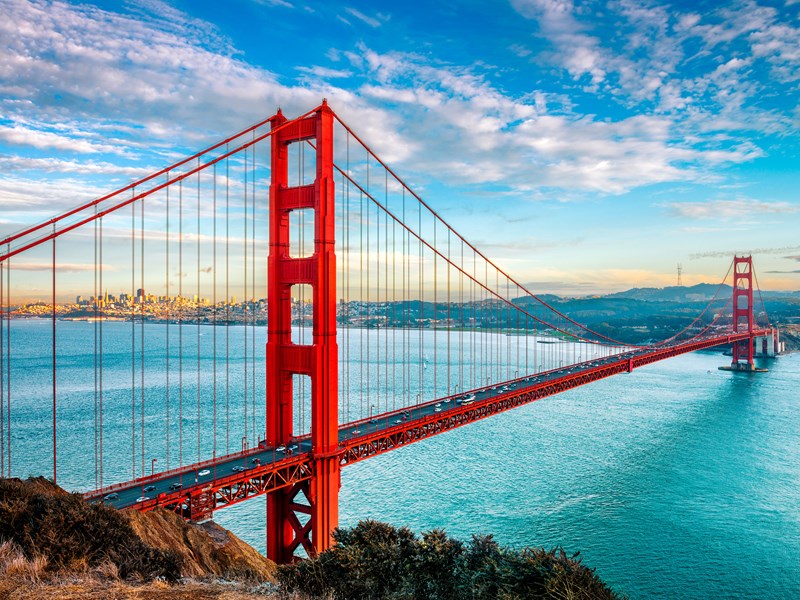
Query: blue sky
point(586, 146)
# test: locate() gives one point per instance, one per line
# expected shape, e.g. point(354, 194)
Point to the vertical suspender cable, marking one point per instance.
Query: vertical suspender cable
point(141, 325)
point(394, 314)
point(347, 280)
point(435, 309)
point(197, 315)
point(8, 364)
point(368, 355)
point(180, 322)
point(54, 358)
point(448, 329)
point(253, 288)
point(386, 295)
point(100, 336)
point(244, 297)
point(214, 308)
point(95, 364)
point(168, 300)
point(227, 303)
point(133, 339)
point(421, 291)
point(361, 301)
point(405, 353)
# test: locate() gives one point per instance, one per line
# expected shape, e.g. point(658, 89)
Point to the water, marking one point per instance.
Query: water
point(675, 481)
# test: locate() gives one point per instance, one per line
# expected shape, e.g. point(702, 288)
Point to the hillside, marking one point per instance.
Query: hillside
point(55, 545)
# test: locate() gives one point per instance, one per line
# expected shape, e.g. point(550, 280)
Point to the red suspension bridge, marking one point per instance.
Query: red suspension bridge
point(384, 326)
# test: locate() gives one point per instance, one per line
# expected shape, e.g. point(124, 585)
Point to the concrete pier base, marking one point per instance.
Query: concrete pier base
point(743, 367)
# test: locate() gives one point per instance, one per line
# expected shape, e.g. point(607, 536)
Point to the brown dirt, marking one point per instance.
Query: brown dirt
point(206, 549)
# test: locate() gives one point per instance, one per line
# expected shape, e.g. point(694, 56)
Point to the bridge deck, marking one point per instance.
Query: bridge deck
point(197, 490)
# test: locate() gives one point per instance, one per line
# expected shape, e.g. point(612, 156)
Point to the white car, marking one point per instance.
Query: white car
point(238, 469)
point(204, 472)
point(142, 499)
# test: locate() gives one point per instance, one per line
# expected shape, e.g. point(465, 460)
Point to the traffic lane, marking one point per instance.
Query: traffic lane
point(130, 496)
point(133, 495)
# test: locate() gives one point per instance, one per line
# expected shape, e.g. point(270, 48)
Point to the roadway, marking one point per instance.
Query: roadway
point(141, 491)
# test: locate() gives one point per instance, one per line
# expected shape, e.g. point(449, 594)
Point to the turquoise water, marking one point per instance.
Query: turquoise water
point(675, 481)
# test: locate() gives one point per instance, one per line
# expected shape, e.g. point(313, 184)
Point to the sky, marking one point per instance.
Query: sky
point(586, 147)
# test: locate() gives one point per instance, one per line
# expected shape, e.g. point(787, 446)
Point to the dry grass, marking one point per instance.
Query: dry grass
point(92, 587)
point(15, 566)
point(22, 578)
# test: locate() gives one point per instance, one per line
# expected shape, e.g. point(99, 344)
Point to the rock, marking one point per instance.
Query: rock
point(206, 549)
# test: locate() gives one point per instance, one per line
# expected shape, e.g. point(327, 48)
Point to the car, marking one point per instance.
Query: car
point(238, 469)
point(149, 488)
point(176, 486)
point(255, 461)
point(354, 432)
point(373, 420)
point(204, 472)
point(447, 400)
point(111, 496)
point(142, 499)
point(504, 388)
point(398, 421)
point(437, 409)
point(293, 447)
point(280, 448)
point(438, 405)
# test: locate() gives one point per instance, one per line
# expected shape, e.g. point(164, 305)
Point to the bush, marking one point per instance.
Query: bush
point(375, 560)
point(47, 523)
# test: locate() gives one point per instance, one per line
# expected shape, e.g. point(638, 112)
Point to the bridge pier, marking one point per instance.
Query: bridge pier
point(305, 514)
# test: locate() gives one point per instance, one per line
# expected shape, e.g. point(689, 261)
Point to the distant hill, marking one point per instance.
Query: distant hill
point(640, 315)
point(702, 292)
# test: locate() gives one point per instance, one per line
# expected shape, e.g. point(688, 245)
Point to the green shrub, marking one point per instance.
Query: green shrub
point(375, 560)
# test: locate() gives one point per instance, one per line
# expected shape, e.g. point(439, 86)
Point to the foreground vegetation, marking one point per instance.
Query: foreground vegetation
point(55, 545)
point(376, 560)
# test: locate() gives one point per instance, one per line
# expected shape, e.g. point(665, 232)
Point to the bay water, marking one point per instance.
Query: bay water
point(675, 481)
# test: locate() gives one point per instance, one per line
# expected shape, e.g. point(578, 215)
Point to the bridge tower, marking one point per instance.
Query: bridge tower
point(306, 513)
point(743, 311)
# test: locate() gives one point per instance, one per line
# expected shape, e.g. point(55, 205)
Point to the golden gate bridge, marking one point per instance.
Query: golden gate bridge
point(385, 326)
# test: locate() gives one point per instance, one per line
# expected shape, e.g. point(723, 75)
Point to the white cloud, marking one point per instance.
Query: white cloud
point(730, 209)
point(19, 135)
point(83, 167)
point(371, 21)
point(578, 52)
point(155, 85)
point(516, 142)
